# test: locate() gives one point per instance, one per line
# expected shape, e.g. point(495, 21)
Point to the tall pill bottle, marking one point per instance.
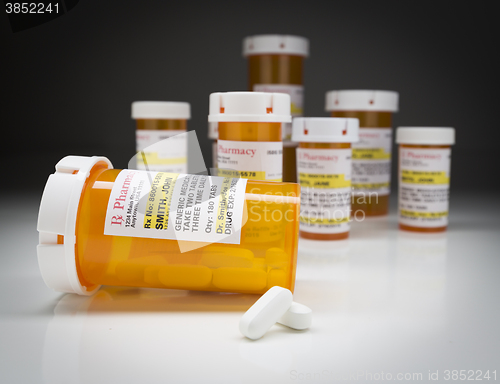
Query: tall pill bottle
point(424, 177)
point(275, 64)
point(157, 121)
point(249, 143)
point(371, 156)
point(324, 174)
point(98, 225)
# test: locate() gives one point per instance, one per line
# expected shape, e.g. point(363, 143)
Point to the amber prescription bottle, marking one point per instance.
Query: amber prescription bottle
point(371, 156)
point(424, 177)
point(250, 143)
point(137, 228)
point(324, 173)
point(157, 121)
point(275, 64)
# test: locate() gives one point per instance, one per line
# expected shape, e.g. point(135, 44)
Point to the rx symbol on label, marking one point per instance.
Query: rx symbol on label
point(118, 220)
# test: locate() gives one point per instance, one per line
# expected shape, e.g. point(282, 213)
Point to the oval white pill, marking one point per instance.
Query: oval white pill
point(265, 312)
point(298, 317)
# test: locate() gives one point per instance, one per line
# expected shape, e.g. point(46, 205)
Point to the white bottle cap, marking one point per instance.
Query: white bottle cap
point(425, 135)
point(168, 110)
point(362, 100)
point(325, 130)
point(57, 216)
point(249, 107)
point(275, 44)
point(213, 131)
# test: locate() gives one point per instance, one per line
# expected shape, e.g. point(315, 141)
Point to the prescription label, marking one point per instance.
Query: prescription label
point(371, 161)
point(296, 93)
point(155, 153)
point(255, 160)
point(325, 180)
point(172, 206)
point(424, 179)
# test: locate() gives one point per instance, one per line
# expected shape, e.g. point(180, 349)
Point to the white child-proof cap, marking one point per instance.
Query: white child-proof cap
point(275, 44)
point(249, 107)
point(425, 135)
point(57, 217)
point(325, 130)
point(167, 110)
point(362, 100)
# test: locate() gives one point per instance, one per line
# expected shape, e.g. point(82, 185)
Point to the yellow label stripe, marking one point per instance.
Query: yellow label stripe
point(421, 177)
point(370, 154)
point(159, 200)
point(370, 185)
point(423, 214)
point(152, 158)
point(315, 220)
point(314, 180)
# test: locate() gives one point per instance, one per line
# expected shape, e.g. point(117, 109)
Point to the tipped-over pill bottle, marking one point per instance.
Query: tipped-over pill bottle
point(424, 177)
point(276, 64)
point(157, 121)
point(99, 225)
point(324, 174)
point(249, 124)
point(371, 156)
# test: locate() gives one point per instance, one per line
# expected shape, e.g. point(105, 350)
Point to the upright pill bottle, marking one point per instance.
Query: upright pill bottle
point(249, 124)
point(424, 177)
point(99, 225)
point(157, 121)
point(275, 64)
point(324, 174)
point(371, 156)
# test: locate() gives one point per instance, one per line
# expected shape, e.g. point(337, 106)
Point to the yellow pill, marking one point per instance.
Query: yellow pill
point(260, 263)
point(276, 277)
point(217, 257)
point(133, 270)
point(151, 275)
point(240, 279)
point(276, 258)
point(185, 276)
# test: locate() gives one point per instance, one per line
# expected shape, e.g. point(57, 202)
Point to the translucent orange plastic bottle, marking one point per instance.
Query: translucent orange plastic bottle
point(324, 173)
point(275, 64)
point(424, 177)
point(250, 142)
point(156, 121)
point(371, 156)
point(151, 229)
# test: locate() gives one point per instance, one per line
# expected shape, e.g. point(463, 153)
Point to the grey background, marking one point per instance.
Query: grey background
point(67, 85)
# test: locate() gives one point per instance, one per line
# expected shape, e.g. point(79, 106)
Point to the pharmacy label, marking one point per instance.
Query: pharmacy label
point(256, 160)
point(424, 179)
point(174, 206)
point(371, 161)
point(296, 93)
point(325, 180)
point(156, 153)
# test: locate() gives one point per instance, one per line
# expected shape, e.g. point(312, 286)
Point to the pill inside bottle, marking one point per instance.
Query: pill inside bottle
point(104, 226)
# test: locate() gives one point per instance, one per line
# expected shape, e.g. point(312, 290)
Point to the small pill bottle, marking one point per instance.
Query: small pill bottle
point(275, 64)
point(371, 156)
point(213, 135)
point(324, 174)
point(157, 121)
point(424, 177)
point(99, 225)
point(249, 124)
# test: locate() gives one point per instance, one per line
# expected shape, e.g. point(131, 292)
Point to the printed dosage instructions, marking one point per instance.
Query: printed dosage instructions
point(156, 153)
point(176, 206)
point(325, 179)
point(257, 160)
point(424, 186)
point(371, 161)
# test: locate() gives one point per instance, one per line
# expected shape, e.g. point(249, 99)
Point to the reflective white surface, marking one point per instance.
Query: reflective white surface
point(386, 305)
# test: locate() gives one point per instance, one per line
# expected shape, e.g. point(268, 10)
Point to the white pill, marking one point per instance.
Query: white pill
point(298, 317)
point(265, 312)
